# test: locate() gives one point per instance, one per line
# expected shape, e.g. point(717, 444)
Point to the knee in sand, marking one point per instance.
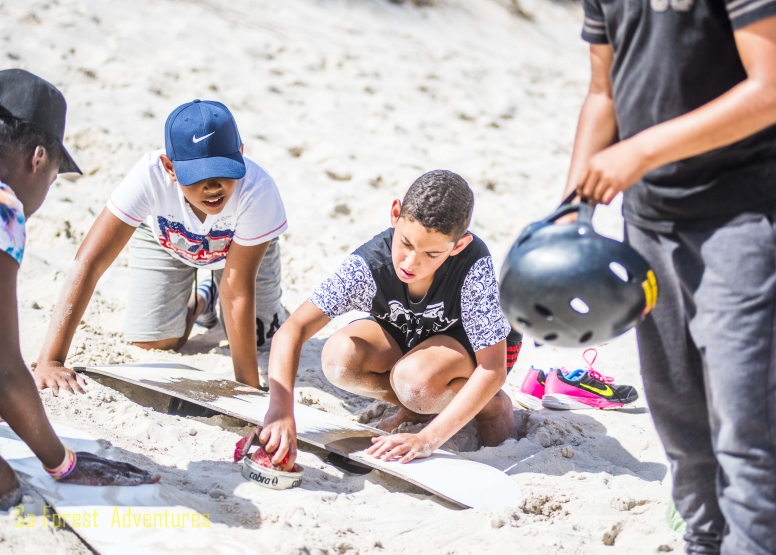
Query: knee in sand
point(340, 362)
point(416, 391)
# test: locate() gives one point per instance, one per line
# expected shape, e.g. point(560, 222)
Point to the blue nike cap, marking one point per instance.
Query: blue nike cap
point(202, 140)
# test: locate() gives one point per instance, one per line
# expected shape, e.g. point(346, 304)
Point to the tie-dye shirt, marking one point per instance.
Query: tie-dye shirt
point(12, 224)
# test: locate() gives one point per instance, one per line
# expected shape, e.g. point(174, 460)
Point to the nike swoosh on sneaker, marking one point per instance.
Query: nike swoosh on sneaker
point(198, 139)
point(604, 392)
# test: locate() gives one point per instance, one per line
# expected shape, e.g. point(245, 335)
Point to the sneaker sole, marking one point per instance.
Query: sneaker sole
point(559, 401)
point(528, 401)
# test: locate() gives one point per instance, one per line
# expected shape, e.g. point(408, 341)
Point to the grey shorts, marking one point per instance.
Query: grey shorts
point(160, 286)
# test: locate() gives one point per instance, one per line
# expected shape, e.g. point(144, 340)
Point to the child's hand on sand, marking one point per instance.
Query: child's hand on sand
point(91, 470)
point(56, 376)
point(405, 447)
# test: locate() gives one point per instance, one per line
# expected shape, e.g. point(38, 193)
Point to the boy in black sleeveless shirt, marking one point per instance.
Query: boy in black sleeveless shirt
point(435, 343)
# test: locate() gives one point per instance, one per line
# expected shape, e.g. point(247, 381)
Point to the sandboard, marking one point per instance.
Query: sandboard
point(114, 520)
point(466, 483)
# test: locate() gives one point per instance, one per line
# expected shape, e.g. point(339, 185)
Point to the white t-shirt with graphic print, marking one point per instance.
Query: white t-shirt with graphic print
point(254, 214)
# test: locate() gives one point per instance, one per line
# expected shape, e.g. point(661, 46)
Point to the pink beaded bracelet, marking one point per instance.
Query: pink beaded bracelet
point(64, 469)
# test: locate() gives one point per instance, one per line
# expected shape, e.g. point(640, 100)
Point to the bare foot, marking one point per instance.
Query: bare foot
point(497, 421)
point(403, 415)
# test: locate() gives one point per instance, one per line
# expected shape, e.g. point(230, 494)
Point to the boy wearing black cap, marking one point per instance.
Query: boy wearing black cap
point(32, 126)
point(199, 204)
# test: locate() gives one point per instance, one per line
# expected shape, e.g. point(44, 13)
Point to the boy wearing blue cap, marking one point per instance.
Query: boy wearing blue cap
point(199, 204)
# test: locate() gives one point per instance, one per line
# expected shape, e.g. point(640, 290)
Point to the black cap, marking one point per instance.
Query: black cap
point(29, 98)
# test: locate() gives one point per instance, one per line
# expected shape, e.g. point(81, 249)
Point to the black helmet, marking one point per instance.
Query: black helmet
point(568, 286)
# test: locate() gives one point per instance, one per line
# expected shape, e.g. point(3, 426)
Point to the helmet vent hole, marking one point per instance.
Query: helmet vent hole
point(620, 271)
point(551, 337)
point(579, 305)
point(523, 322)
point(544, 311)
point(585, 338)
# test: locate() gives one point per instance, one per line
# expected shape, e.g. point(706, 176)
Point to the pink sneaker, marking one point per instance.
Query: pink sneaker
point(585, 389)
point(532, 390)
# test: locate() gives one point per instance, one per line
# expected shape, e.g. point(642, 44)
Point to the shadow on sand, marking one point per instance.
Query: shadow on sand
point(558, 442)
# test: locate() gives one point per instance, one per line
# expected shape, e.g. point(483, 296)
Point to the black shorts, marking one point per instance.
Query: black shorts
point(514, 340)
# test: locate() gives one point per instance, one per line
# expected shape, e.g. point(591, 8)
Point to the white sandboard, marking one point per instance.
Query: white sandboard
point(115, 520)
point(464, 482)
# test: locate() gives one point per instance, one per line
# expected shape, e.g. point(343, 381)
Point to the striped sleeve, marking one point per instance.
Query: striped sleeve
point(594, 26)
point(746, 12)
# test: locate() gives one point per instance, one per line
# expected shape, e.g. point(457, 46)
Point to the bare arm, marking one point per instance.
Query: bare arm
point(20, 404)
point(238, 301)
point(21, 407)
point(279, 433)
point(102, 245)
point(597, 126)
point(745, 109)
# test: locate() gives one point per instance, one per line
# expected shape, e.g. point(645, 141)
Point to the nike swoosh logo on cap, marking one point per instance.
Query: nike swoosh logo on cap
point(198, 139)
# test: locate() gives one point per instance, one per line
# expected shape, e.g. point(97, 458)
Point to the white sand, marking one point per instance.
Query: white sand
point(346, 103)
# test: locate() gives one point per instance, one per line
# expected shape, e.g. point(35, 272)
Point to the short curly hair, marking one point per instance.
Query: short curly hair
point(19, 137)
point(440, 200)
